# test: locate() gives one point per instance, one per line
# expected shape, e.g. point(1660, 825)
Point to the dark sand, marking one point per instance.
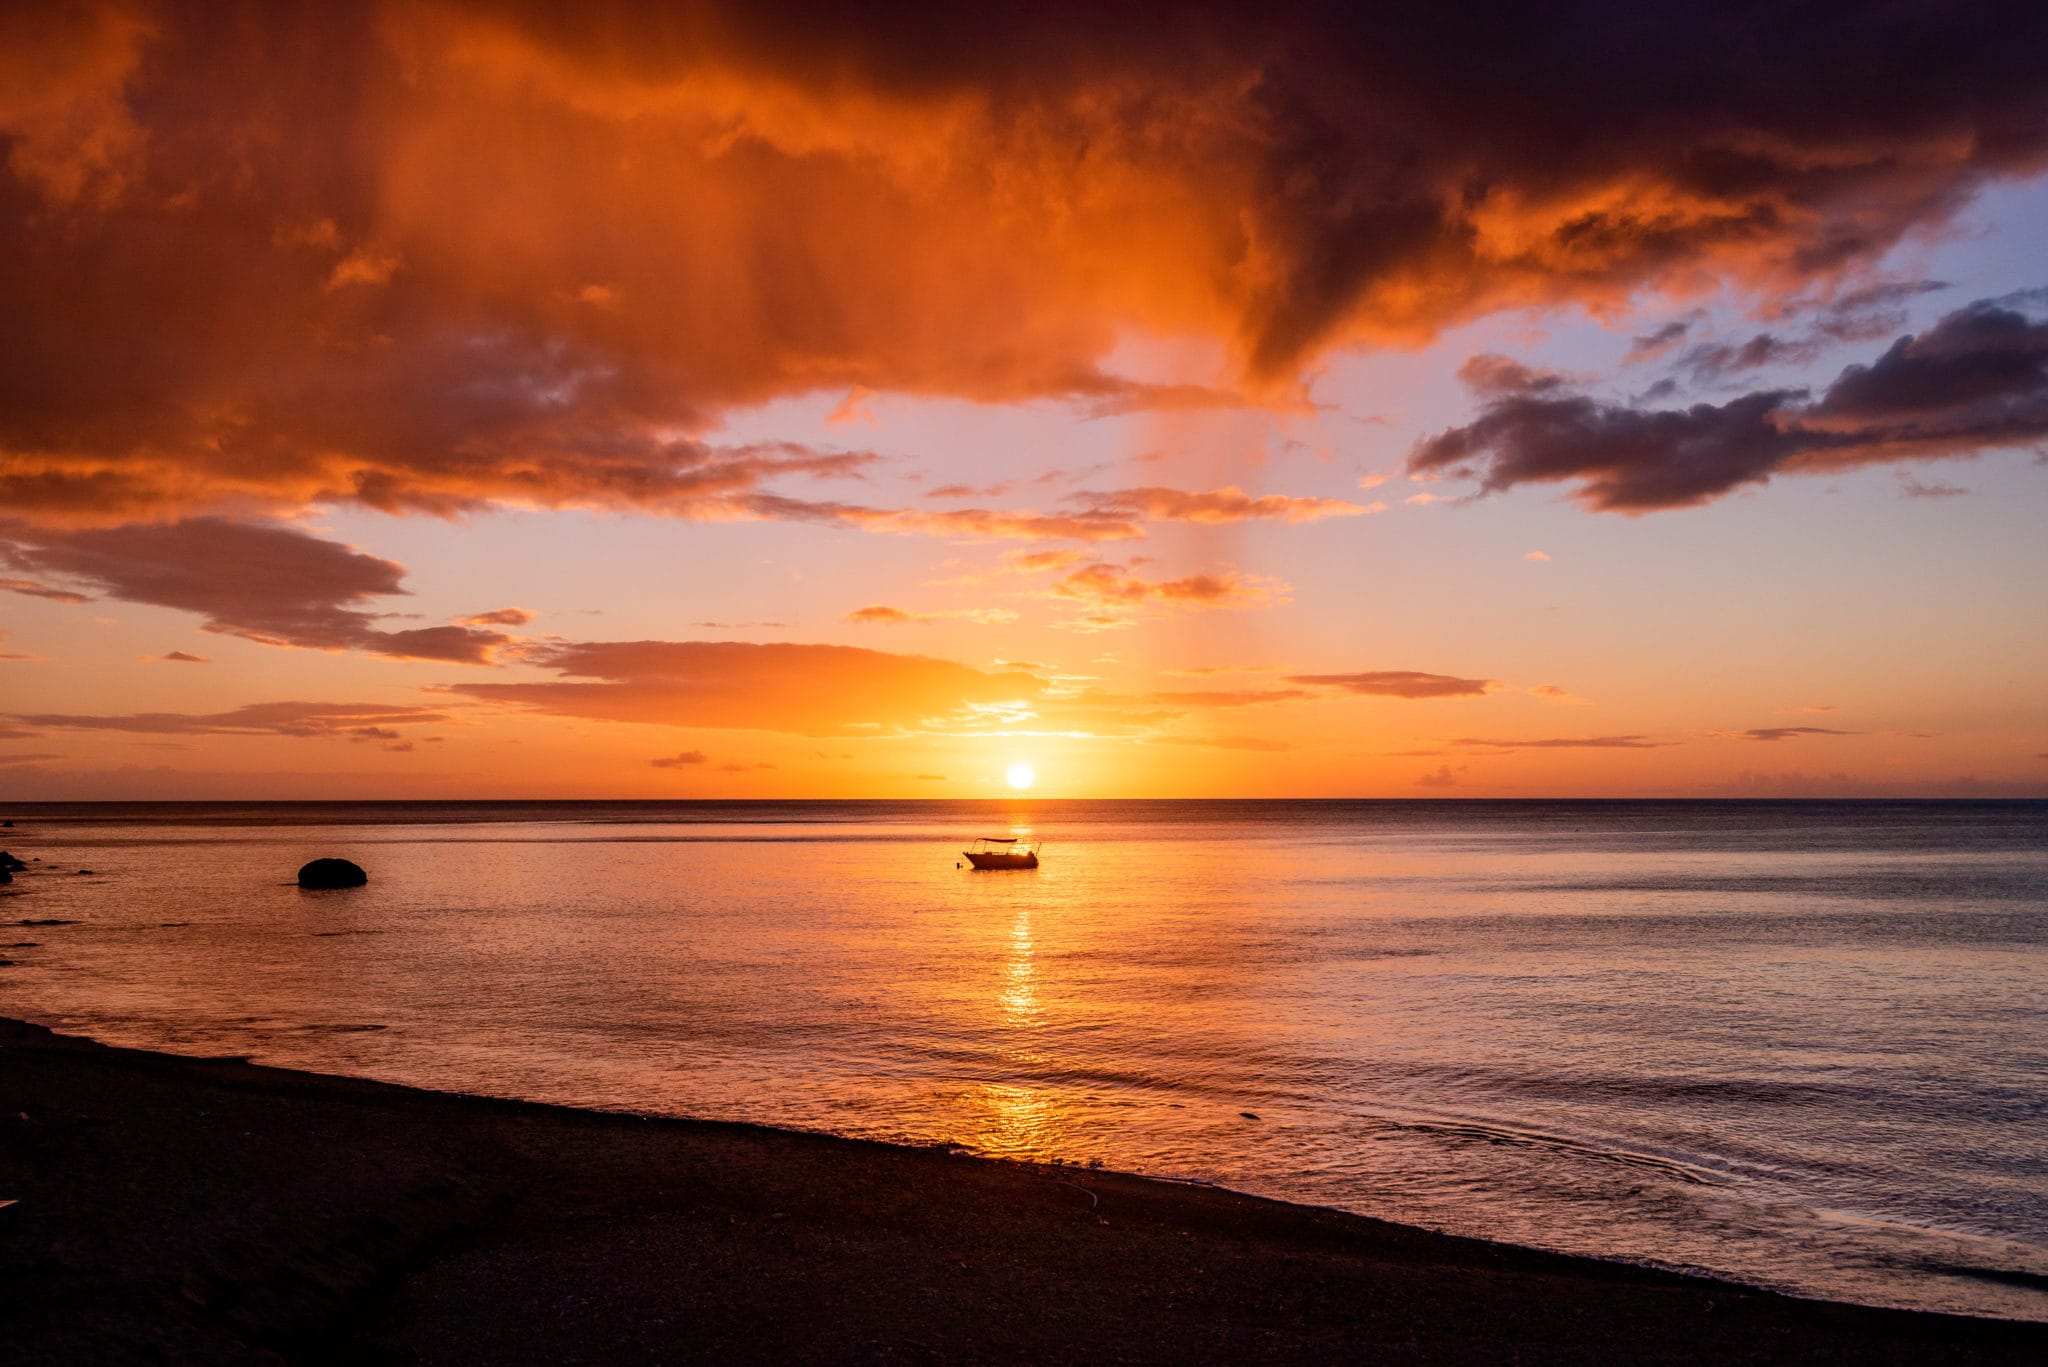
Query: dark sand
point(185, 1210)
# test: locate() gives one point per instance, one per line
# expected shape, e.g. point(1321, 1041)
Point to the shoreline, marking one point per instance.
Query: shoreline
point(218, 1210)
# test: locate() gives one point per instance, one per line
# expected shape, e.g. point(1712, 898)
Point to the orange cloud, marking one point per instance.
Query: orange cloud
point(879, 613)
point(439, 264)
point(813, 690)
point(1398, 683)
point(1569, 743)
point(358, 721)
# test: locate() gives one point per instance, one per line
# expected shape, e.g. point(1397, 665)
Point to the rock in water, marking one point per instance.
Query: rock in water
point(11, 864)
point(332, 873)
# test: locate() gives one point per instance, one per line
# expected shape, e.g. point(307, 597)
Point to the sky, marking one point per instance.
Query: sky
point(704, 400)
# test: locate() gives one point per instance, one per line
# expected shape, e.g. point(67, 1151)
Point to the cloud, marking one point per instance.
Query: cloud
point(813, 690)
point(883, 614)
point(1913, 488)
point(183, 657)
point(680, 761)
point(1538, 556)
point(1216, 506)
point(1398, 683)
point(1569, 743)
point(1650, 345)
point(1775, 733)
point(238, 273)
point(1112, 595)
point(1977, 380)
point(1551, 693)
point(501, 617)
point(263, 582)
point(32, 589)
point(305, 720)
point(1442, 778)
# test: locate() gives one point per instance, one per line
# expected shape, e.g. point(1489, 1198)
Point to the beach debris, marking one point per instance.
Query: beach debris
point(332, 873)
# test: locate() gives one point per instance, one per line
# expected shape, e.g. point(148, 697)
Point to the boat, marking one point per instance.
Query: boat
point(1002, 852)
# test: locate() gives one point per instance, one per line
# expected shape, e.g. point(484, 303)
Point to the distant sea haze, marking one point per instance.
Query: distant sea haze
point(1797, 1044)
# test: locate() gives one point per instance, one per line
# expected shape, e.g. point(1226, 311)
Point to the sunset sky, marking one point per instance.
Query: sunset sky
point(720, 400)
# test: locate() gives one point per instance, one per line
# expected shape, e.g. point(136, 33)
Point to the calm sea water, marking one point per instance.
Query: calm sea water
point(1804, 1045)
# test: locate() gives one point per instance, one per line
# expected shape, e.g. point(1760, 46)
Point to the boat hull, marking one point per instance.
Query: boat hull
point(1002, 861)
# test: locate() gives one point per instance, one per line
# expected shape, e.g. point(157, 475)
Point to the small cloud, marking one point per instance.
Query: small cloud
point(736, 768)
point(881, 613)
point(1536, 556)
point(1650, 345)
point(1423, 499)
point(1820, 707)
point(855, 407)
point(1372, 481)
point(1398, 683)
point(1569, 743)
point(30, 588)
point(181, 657)
point(1775, 733)
point(1551, 693)
point(1442, 778)
point(1913, 488)
point(502, 617)
point(931, 778)
point(681, 761)
point(361, 267)
point(598, 296)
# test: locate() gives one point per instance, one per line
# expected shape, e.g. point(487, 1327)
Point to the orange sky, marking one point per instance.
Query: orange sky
point(704, 400)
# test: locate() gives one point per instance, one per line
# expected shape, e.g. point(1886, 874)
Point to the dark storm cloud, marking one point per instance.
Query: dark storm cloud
point(427, 256)
point(1977, 380)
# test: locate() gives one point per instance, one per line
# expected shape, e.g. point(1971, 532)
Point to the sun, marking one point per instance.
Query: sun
point(1021, 776)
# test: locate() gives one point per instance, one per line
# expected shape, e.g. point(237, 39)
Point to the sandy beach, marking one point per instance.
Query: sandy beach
point(203, 1210)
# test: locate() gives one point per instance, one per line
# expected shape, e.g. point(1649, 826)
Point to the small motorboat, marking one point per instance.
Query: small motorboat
point(1002, 852)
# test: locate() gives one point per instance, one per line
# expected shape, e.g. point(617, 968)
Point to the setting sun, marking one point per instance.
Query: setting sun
point(1021, 776)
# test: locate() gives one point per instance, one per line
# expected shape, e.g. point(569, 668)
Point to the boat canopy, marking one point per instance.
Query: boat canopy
point(1000, 839)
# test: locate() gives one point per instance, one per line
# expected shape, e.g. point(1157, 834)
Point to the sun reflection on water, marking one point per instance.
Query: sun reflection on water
point(1017, 1120)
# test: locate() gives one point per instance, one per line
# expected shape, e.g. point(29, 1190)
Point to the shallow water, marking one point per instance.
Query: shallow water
point(1799, 1044)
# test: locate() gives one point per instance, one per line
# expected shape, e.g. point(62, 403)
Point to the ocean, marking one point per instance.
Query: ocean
point(1801, 1045)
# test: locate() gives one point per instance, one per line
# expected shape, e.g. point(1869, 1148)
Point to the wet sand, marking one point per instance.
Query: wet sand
point(185, 1210)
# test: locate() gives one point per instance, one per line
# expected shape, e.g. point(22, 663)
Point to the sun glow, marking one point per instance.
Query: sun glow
point(1021, 776)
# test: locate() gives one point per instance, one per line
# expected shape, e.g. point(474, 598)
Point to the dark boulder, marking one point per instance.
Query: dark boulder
point(332, 873)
